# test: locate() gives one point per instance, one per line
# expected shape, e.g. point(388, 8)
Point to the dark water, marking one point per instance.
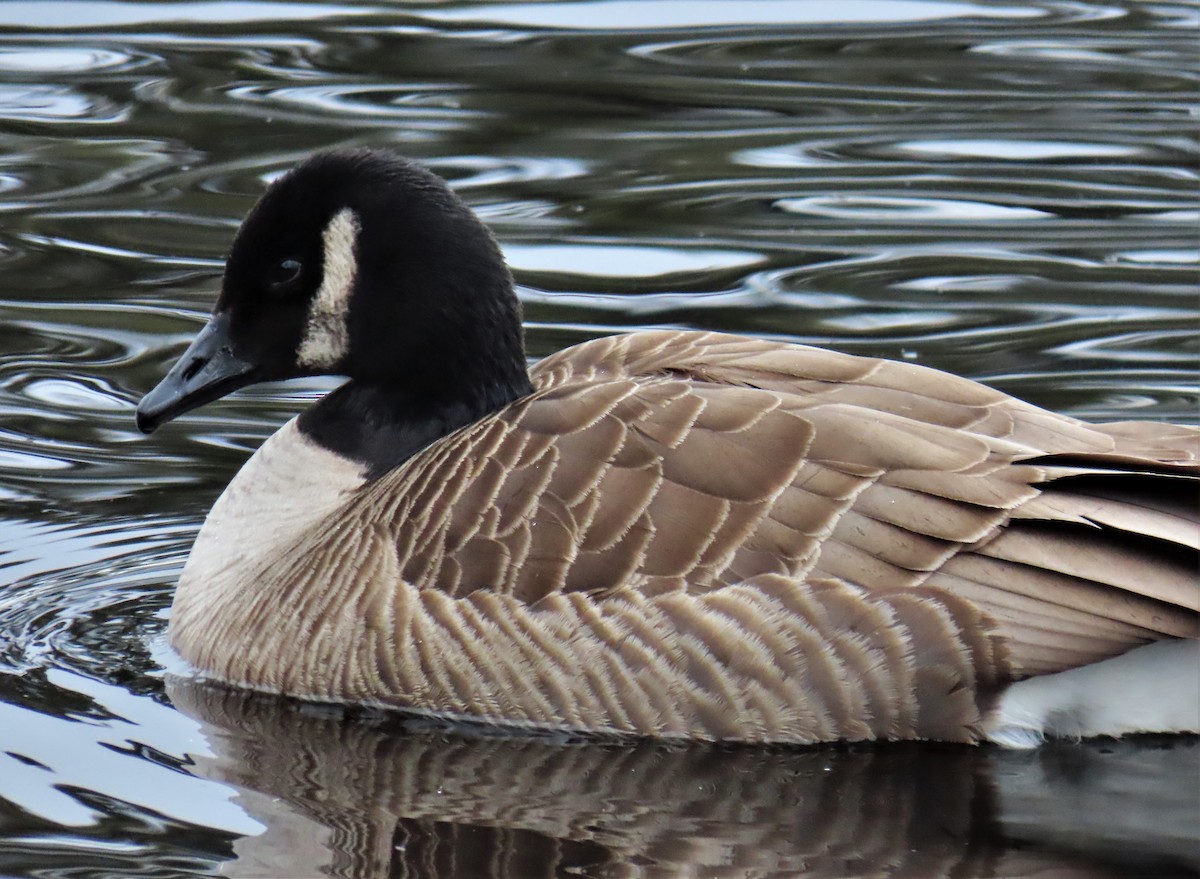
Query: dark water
point(1006, 190)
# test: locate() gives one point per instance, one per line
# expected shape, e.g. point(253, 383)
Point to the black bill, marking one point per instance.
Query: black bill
point(207, 371)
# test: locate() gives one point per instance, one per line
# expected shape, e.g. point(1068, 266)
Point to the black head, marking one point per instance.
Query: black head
point(363, 264)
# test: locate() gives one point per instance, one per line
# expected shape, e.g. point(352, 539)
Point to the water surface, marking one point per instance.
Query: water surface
point(1004, 190)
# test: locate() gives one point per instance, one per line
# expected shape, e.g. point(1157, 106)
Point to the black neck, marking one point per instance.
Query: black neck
point(382, 427)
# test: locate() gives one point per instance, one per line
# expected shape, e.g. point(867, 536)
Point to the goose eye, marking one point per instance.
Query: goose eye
point(284, 276)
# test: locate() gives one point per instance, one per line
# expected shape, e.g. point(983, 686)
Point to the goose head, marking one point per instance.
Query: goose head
point(365, 265)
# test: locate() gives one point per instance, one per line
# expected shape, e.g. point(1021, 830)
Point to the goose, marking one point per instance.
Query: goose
point(674, 534)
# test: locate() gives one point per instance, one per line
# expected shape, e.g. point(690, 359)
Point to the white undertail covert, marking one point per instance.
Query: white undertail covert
point(1153, 688)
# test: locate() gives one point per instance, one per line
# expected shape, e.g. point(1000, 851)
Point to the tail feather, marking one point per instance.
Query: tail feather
point(1101, 560)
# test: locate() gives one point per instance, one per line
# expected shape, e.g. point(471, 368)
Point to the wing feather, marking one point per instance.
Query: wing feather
point(693, 462)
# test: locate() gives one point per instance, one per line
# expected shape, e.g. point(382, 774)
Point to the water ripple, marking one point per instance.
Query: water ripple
point(60, 60)
point(34, 103)
point(649, 15)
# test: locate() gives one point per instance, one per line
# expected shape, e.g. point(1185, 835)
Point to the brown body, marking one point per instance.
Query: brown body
point(705, 536)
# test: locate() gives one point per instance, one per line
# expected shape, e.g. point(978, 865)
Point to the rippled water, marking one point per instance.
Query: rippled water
point(1005, 190)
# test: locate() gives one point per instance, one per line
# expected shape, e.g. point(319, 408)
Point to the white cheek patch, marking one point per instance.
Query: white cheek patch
point(326, 334)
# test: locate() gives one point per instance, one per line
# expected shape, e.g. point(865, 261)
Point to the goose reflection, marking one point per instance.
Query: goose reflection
point(361, 797)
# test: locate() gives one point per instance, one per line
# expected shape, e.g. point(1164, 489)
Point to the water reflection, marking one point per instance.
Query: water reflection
point(370, 798)
point(43, 747)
